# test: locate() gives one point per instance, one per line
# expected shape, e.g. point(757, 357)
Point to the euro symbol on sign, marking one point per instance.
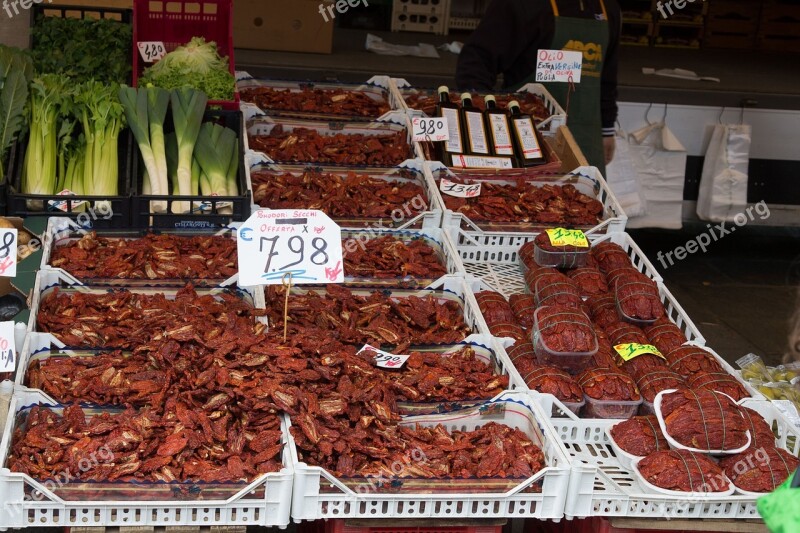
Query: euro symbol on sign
point(244, 233)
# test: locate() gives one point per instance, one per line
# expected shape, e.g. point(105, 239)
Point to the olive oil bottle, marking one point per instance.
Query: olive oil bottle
point(452, 112)
point(499, 128)
point(528, 142)
point(474, 127)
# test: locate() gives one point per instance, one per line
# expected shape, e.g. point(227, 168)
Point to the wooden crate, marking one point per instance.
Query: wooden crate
point(732, 24)
point(568, 150)
point(780, 27)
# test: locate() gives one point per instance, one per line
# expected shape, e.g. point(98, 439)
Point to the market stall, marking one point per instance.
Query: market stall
point(260, 301)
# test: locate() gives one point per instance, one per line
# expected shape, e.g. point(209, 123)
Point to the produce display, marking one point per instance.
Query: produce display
point(557, 289)
point(719, 382)
point(563, 330)
point(590, 281)
point(340, 194)
point(653, 382)
point(684, 471)
point(196, 64)
point(665, 335)
point(704, 420)
point(552, 380)
point(689, 360)
point(499, 316)
point(378, 319)
point(306, 145)
point(637, 297)
point(391, 257)
point(530, 104)
point(16, 71)
point(179, 445)
point(760, 470)
point(83, 48)
point(313, 100)
point(775, 383)
point(124, 319)
point(639, 436)
point(153, 256)
point(760, 430)
point(526, 202)
point(607, 384)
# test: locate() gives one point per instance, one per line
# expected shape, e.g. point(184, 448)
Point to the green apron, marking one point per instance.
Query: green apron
point(590, 37)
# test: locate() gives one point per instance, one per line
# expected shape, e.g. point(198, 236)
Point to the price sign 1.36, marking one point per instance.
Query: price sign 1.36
point(275, 243)
point(430, 129)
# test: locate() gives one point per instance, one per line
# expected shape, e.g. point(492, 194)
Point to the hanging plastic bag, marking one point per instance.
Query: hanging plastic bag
point(781, 509)
point(723, 185)
point(623, 178)
point(660, 160)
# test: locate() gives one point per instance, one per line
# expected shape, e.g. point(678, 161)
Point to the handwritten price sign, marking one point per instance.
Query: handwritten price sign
point(152, 51)
point(8, 351)
point(559, 66)
point(459, 190)
point(386, 359)
point(8, 252)
point(568, 237)
point(431, 129)
point(632, 350)
point(274, 243)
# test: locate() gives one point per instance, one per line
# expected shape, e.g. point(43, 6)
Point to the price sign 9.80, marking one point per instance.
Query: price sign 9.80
point(276, 245)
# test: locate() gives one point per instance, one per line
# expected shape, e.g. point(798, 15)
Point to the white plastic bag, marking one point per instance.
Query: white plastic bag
point(660, 160)
point(623, 178)
point(723, 185)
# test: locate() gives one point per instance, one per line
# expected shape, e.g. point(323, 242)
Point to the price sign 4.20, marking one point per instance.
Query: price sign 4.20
point(275, 244)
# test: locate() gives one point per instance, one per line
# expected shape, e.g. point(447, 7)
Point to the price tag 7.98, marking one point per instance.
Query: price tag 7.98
point(430, 129)
point(273, 244)
point(8, 350)
point(8, 252)
point(152, 51)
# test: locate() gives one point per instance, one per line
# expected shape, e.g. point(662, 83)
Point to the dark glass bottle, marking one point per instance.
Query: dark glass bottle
point(474, 127)
point(528, 142)
point(452, 112)
point(499, 128)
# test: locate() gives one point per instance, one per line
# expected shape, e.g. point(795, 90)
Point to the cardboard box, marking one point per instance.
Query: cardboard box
point(295, 26)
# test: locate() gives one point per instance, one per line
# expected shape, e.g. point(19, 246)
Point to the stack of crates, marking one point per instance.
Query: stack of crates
point(780, 26)
point(732, 24)
point(427, 16)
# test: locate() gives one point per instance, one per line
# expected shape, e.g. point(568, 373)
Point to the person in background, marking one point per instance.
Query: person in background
point(508, 41)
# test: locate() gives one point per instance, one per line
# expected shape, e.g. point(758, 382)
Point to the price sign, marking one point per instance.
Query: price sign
point(559, 66)
point(475, 161)
point(633, 350)
point(386, 359)
point(460, 190)
point(430, 129)
point(274, 243)
point(8, 351)
point(8, 252)
point(568, 237)
point(152, 51)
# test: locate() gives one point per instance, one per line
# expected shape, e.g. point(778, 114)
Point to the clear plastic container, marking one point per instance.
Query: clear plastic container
point(575, 407)
point(753, 367)
point(572, 362)
point(638, 321)
point(562, 258)
point(610, 409)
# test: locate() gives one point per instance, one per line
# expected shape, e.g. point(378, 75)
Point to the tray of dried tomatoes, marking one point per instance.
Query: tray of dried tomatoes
point(638, 298)
point(552, 380)
point(635, 438)
point(758, 471)
point(719, 382)
point(610, 393)
point(546, 253)
point(702, 421)
point(681, 472)
point(563, 337)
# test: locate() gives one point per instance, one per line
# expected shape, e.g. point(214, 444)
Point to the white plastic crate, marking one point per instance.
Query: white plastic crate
point(25, 502)
point(375, 87)
point(318, 494)
point(557, 118)
point(427, 220)
point(47, 280)
point(586, 180)
point(493, 259)
point(602, 486)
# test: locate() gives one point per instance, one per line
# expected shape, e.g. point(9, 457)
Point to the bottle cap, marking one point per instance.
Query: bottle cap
point(444, 89)
point(489, 98)
point(513, 103)
point(466, 95)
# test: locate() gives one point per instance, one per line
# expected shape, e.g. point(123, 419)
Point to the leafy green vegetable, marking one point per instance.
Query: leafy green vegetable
point(196, 64)
point(16, 71)
point(83, 48)
point(47, 99)
point(217, 151)
point(188, 107)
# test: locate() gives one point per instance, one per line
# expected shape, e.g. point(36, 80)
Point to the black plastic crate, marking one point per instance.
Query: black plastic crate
point(210, 217)
point(87, 215)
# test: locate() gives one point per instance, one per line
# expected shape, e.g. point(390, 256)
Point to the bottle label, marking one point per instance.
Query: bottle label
point(501, 135)
point(477, 133)
point(453, 143)
point(475, 161)
point(528, 139)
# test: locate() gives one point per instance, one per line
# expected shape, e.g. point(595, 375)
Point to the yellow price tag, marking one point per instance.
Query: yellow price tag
point(568, 237)
point(633, 350)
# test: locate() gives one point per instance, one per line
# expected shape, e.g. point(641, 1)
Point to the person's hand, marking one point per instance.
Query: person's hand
point(609, 147)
